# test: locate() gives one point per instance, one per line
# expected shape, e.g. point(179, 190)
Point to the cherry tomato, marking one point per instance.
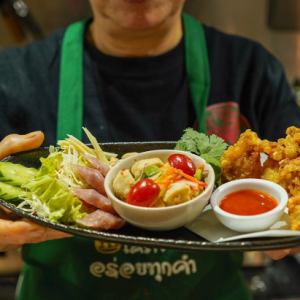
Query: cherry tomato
point(183, 163)
point(143, 193)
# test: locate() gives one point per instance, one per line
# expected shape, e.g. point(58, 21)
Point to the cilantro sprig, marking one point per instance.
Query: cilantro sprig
point(210, 148)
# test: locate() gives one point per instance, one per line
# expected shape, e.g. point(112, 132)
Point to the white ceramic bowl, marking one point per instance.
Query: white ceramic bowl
point(249, 223)
point(159, 218)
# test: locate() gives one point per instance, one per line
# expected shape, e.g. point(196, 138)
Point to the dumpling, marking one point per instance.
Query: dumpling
point(139, 166)
point(122, 184)
point(178, 192)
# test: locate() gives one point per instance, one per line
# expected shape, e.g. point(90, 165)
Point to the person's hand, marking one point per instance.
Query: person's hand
point(279, 254)
point(14, 233)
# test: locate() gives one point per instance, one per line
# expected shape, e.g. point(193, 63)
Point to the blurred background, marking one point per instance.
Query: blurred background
point(273, 23)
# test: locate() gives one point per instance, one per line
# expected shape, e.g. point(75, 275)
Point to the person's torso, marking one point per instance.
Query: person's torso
point(130, 100)
point(123, 270)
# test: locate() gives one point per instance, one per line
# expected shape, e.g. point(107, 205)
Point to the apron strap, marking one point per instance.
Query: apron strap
point(71, 90)
point(197, 67)
point(70, 99)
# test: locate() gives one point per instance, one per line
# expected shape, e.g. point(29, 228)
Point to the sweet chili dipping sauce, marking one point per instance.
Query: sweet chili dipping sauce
point(248, 203)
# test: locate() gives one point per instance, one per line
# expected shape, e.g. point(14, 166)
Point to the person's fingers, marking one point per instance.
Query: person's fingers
point(5, 248)
point(278, 254)
point(14, 143)
point(4, 213)
point(4, 210)
point(7, 214)
point(23, 232)
point(37, 234)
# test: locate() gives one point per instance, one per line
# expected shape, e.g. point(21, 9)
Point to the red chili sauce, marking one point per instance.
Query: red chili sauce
point(248, 203)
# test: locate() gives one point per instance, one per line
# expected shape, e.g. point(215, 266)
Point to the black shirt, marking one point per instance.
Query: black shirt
point(143, 98)
point(242, 72)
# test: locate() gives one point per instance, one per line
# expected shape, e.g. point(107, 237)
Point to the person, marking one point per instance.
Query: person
point(140, 70)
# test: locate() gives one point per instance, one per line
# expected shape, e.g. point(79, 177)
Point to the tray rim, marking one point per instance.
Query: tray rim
point(180, 244)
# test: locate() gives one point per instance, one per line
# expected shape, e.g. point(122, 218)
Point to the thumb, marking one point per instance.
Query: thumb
point(14, 143)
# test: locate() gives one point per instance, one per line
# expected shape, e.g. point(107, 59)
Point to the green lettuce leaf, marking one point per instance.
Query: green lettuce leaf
point(50, 164)
point(51, 196)
point(62, 205)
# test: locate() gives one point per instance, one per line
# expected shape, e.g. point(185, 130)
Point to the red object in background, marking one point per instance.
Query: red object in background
point(143, 193)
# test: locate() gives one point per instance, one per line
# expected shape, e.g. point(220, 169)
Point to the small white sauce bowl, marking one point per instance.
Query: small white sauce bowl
point(159, 218)
point(251, 223)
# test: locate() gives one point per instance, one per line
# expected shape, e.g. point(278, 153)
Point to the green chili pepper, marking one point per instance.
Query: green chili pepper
point(198, 174)
point(151, 170)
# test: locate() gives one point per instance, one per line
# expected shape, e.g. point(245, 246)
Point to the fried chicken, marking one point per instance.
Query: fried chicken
point(294, 212)
point(281, 164)
point(242, 160)
point(284, 148)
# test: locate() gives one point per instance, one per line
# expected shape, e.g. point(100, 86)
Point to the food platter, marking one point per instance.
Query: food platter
point(181, 239)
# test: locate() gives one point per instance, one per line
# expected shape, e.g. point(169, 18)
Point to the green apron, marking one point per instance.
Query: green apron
point(75, 268)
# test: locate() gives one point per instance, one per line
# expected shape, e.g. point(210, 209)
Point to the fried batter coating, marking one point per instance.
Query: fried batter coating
point(271, 172)
point(284, 148)
point(242, 160)
point(294, 212)
point(289, 176)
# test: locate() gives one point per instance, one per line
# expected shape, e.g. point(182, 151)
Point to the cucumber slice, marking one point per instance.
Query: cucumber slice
point(11, 193)
point(15, 174)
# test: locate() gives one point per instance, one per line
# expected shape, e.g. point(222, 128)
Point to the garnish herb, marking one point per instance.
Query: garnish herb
point(210, 148)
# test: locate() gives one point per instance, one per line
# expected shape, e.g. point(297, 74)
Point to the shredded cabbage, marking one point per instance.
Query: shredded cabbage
point(52, 199)
point(48, 192)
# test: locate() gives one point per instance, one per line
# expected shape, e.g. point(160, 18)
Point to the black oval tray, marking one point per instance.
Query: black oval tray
point(180, 238)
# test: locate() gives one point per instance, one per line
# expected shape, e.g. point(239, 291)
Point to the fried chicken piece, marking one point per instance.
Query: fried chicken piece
point(294, 212)
point(284, 148)
point(271, 172)
point(289, 176)
point(242, 160)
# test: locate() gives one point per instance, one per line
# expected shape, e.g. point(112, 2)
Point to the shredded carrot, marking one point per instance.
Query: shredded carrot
point(189, 177)
point(167, 179)
point(172, 175)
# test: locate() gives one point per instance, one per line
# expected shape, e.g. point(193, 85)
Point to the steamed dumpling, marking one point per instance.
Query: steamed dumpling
point(139, 166)
point(122, 184)
point(178, 192)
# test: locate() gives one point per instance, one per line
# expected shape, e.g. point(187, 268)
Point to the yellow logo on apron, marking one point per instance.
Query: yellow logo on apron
point(107, 247)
